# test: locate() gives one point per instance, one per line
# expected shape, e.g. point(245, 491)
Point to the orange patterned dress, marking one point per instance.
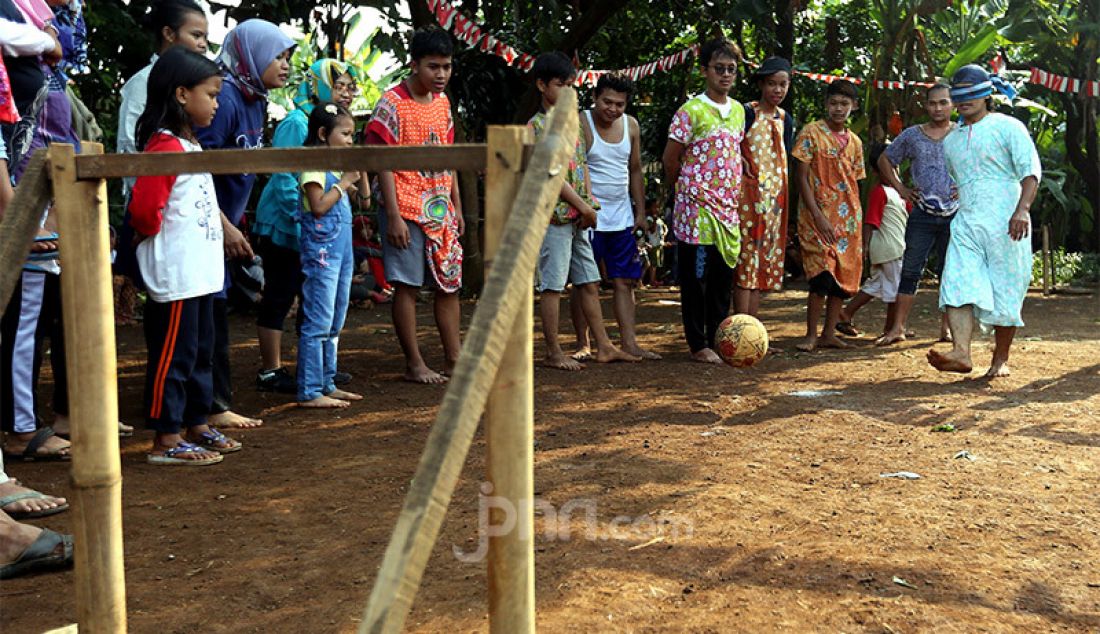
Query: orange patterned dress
point(835, 172)
point(764, 207)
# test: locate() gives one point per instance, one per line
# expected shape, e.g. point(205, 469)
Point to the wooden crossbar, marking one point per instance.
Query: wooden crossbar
point(374, 158)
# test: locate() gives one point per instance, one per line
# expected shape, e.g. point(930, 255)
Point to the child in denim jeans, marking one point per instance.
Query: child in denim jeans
point(328, 263)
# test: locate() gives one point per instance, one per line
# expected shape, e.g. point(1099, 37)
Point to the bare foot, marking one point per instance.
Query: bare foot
point(613, 354)
point(324, 402)
point(832, 341)
point(27, 505)
point(809, 344)
point(706, 355)
point(642, 353)
point(61, 427)
point(561, 362)
point(999, 369)
point(344, 395)
point(582, 354)
point(424, 375)
point(890, 338)
point(232, 420)
point(949, 362)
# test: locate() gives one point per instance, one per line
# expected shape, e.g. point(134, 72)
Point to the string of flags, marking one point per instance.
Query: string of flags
point(879, 83)
point(470, 32)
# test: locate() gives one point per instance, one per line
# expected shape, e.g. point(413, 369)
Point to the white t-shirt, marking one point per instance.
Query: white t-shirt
point(723, 108)
point(185, 257)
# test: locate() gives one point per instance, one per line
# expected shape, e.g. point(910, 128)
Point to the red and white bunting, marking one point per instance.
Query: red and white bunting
point(471, 33)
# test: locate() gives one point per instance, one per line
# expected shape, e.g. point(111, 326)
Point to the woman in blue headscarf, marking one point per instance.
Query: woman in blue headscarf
point(996, 168)
point(254, 59)
point(276, 228)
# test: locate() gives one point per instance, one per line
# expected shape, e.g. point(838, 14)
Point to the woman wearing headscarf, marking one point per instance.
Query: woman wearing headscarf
point(254, 59)
point(763, 210)
point(996, 168)
point(276, 228)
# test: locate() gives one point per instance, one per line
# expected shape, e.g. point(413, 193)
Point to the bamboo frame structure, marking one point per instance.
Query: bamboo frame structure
point(81, 208)
point(498, 343)
point(510, 415)
point(449, 441)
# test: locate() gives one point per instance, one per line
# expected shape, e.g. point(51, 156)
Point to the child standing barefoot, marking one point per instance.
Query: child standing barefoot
point(328, 262)
point(829, 216)
point(180, 259)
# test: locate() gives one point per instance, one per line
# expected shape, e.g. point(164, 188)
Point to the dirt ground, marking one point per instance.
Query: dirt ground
point(724, 500)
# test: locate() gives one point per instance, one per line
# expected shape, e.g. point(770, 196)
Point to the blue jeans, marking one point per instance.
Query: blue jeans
point(327, 269)
point(922, 233)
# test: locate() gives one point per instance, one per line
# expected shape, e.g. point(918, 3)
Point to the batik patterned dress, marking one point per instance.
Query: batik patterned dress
point(985, 268)
point(708, 190)
point(834, 176)
point(764, 206)
point(423, 197)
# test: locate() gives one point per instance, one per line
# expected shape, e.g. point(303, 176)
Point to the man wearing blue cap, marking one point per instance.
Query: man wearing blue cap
point(996, 168)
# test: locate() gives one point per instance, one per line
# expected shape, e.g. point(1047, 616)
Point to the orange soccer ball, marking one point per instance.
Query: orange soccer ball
point(742, 340)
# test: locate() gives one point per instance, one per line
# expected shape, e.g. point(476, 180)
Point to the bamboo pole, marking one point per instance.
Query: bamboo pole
point(449, 441)
point(1048, 287)
point(87, 300)
point(20, 222)
point(510, 416)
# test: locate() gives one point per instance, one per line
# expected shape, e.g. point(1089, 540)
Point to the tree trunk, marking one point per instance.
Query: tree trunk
point(586, 26)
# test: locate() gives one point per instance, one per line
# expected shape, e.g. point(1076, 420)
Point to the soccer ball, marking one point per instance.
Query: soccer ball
point(742, 340)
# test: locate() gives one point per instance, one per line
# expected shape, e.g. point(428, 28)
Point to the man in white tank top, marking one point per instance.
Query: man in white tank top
point(613, 141)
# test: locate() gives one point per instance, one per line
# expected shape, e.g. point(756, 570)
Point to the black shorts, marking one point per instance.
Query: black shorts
point(825, 284)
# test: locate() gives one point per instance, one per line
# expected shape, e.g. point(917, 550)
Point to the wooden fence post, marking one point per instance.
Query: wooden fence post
point(88, 303)
point(510, 415)
point(1048, 263)
point(507, 289)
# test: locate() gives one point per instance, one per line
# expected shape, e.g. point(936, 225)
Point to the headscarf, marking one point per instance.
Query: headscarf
point(319, 82)
point(247, 52)
point(771, 66)
point(972, 82)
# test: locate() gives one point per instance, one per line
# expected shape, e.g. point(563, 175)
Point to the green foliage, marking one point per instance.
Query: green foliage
point(1079, 269)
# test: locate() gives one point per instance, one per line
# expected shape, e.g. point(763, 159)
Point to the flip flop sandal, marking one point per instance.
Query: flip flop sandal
point(171, 456)
point(40, 555)
point(124, 430)
point(30, 454)
point(29, 495)
point(214, 440)
point(846, 328)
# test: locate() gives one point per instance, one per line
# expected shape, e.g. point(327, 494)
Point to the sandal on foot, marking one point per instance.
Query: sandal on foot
point(30, 453)
point(40, 555)
point(26, 515)
point(846, 328)
point(214, 440)
point(171, 456)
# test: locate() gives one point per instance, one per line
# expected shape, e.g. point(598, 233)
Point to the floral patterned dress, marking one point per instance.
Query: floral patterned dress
point(834, 175)
point(764, 207)
point(709, 187)
point(423, 197)
point(985, 268)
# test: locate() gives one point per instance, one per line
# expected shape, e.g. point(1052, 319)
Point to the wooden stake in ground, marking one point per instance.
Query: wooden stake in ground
point(510, 417)
point(86, 297)
point(1048, 263)
point(20, 222)
point(449, 441)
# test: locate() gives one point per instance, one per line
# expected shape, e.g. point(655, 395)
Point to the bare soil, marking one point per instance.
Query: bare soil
point(724, 500)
